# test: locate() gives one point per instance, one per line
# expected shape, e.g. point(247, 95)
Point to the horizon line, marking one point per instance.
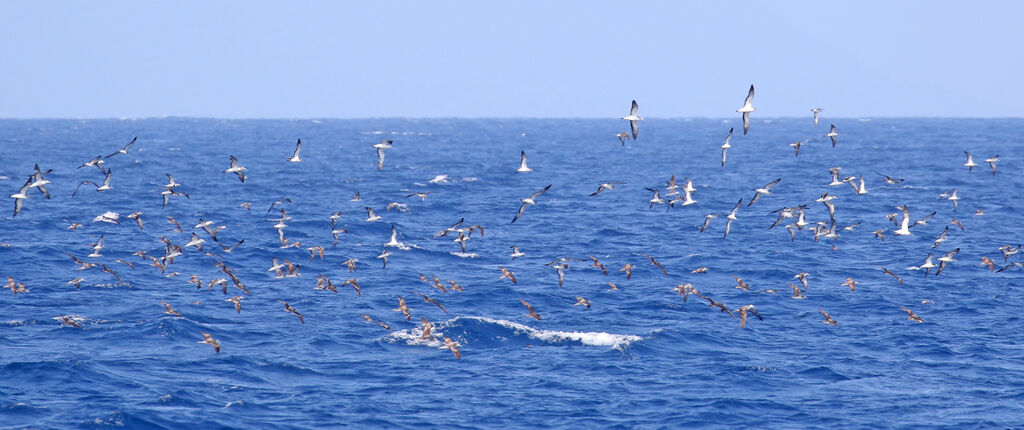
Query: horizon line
point(257, 118)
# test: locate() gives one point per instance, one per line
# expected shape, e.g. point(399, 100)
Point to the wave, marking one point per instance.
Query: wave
point(484, 332)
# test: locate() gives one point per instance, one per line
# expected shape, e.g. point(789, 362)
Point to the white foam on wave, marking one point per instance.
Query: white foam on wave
point(464, 254)
point(439, 179)
point(589, 338)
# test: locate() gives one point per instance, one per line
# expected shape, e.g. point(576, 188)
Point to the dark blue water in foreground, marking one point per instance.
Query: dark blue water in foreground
point(639, 357)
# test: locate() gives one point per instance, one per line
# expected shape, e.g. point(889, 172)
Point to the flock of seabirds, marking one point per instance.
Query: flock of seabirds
point(205, 232)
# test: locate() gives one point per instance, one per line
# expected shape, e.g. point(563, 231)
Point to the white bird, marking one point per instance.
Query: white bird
point(861, 190)
point(970, 162)
point(106, 184)
point(927, 266)
point(763, 191)
point(111, 217)
point(38, 181)
point(295, 156)
point(522, 163)
point(22, 194)
point(516, 253)
point(815, 112)
point(633, 118)
point(124, 149)
point(953, 197)
point(370, 216)
point(236, 168)
point(529, 201)
point(747, 109)
point(991, 162)
point(604, 186)
point(393, 243)
point(833, 134)
point(731, 217)
point(726, 146)
point(904, 229)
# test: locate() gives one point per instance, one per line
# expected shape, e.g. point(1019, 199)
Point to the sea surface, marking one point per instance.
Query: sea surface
point(639, 357)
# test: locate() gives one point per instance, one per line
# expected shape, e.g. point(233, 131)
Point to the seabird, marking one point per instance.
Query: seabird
point(763, 191)
point(532, 313)
point(209, 340)
point(991, 162)
point(98, 162)
point(295, 156)
point(452, 346)
point(106, 184)
point(656, 198)
point(394, 243)
point(289, 308)
point(1008, 250)
point(38, 181)
point(721, 306)
point(515, 252)
point(623, 137)
point(598, 265)
point(894, 275)
point(850, 283)
point(580, 301)
point(941, 238)
point(732, 217)
point(370, 216)
point(656, 263)
point(889, 179)
point(124, 149)
point(432, 301)
point(628, 268)
point(828, 318)
point(427, 326)
point(911, 315)
point(522, 163)
point(796, 146)
point(726, 146)
point(604, 186)
point(505, 273)
point(633, 118)
point(743, 314)
point(237, 301)
point(815, 112)
point(529, 201)
point(832, 134)
point(685, 290)
point(985, 261)
point(707, 221)
point(860, 190)
point(746, 109)
point(384, 256)
point(69, 321)
point(236, 168)
point(740, 284)
point(904, 229)
point(970, 162)
point(170, 311)
point(22, 194)
point(946, 259)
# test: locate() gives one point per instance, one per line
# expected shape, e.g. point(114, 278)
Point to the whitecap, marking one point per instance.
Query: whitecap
point(464, 254)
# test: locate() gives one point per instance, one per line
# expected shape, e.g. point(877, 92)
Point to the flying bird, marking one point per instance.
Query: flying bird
point(726, 146)
point(633, 118)
point(815, 111)
point(295, 156)
point(747, 108)
point(529, 201)
point(522, 163)
point(236, 168)
point(209, 340)
point(533, 313)
point(832, 134)
point(124, 149)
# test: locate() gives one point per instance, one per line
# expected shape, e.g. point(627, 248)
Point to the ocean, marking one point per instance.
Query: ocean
point(637, 356)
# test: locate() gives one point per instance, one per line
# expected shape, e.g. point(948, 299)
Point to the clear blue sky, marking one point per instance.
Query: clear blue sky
point(317, 59)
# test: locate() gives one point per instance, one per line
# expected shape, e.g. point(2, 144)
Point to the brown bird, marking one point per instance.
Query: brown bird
point(957, 223)
point(890, 273)
point(580, 301)
point(314, 250)
point(740, 284)
point(798, 293)
point(911, 315)
point(380, 323)
point(656, 263)
point(700, 270)
point(177, 226)
point(126, 263)
point(850, 283)
point(324, 283)
point(289, 308)
point(430, 300)
point(403, 308)
point(612, 287)
point(237, 300)
point(427, 326)
point(718, 305)
point(351, 263)
point(438, 285)
point(452, 346)
point(505, 273)
point(598, 265)
point(628, 268)
point(802, 276)
point(354, 284)
point(743, 314)
point(246, 205)
point(532, 313)
point(77, 282)
point(16, 287)
point(194, 280)
point(985, 261)
point(66, 320)
point(209, 340)
point(136, 216)
point(170, 310)
point(685, 290)
point(828, 318)
point(455, 286)
point(111, 272)
point(880, 234)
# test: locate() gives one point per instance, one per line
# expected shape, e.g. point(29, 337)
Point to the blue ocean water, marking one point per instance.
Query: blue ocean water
point(638, 357)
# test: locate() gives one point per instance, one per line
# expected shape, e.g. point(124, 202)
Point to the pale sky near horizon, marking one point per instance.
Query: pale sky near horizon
point(587, 59)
